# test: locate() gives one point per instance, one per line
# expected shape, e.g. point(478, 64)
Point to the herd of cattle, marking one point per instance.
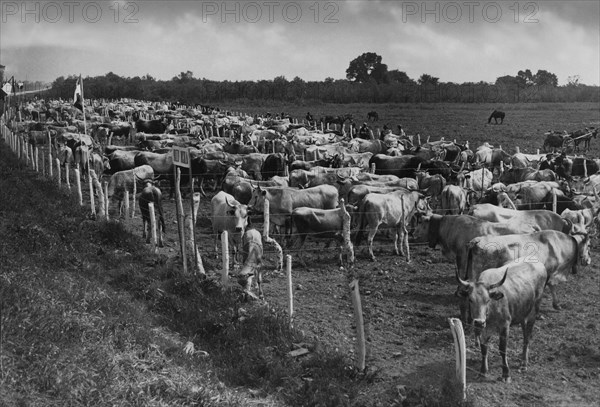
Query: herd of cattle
point(513, 223)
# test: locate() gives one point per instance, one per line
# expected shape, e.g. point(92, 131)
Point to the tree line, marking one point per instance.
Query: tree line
point(368, 80)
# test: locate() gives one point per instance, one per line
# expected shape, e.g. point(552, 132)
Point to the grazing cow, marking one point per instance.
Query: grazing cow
point(150, 193)
point(231, 216)
point(123, 181)
point(453, 200)
point(496, 114)
point(394, 210)
point(558, 252)
point(252, 253)
point(453, 232)
point(502, 297)
point(544, 219)
point(319, 224)
point(283, 200)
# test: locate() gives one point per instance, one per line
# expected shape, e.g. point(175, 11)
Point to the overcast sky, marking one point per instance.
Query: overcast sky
point(457, 41)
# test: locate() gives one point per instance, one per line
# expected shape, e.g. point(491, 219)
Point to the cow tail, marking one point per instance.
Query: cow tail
point(362, 219)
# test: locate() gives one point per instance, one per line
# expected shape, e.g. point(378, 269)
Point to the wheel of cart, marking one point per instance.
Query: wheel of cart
point(568, 145)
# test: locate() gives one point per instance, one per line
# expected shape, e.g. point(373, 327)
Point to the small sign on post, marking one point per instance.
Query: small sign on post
point(181, 157)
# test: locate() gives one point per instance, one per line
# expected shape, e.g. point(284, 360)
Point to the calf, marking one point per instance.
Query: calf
point(252, 252)
point(150, 193)
point(500, 298)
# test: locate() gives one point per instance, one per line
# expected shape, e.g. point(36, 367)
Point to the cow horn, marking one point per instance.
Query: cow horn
point(227, 202)
point(462, 282)
point(419, 167)
point(498, 284)
point(596, 193)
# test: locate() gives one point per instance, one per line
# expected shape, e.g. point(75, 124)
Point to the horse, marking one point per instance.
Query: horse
point(496, 114)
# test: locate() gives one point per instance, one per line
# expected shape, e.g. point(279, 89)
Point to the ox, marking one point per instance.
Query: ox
point(453, 232)
point(558, 252)
point(394, 210)
point(320, 224)
point(402, 166)
point(252, 254)
point(228, 215)
point(502, 297)
point(544, 219)
point(274, 165)
point(283, 200)
point(453, 200)
point(150, 193)
point(123, 181)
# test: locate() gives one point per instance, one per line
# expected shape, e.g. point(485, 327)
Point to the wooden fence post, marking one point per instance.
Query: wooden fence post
point(134, 194)
point(288, 268)
point(268, 239)
point(78, 185)
point(126, 204)
point(92, 199)
point(58, 174)
point(153, 227)
point(101, 199)
point(348, 247)
point(461, 353)
point(193, 251)
point(50, 154)
point(360, 328)
point(67, 176)
point(225, 253)
point(180, 219)
point(107, 200)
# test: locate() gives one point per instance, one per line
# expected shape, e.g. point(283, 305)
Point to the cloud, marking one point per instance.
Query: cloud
point(174, 36)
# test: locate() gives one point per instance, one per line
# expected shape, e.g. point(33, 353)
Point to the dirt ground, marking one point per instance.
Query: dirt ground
point(406, 309)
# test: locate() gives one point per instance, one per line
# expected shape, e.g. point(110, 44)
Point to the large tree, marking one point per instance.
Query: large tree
point(427, 79)
point(365, 67)
point(543, 77)
point(398, 76)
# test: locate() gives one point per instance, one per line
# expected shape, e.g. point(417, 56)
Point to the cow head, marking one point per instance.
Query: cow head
point(240, 213)
point(480, 295)
point(257, 202)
